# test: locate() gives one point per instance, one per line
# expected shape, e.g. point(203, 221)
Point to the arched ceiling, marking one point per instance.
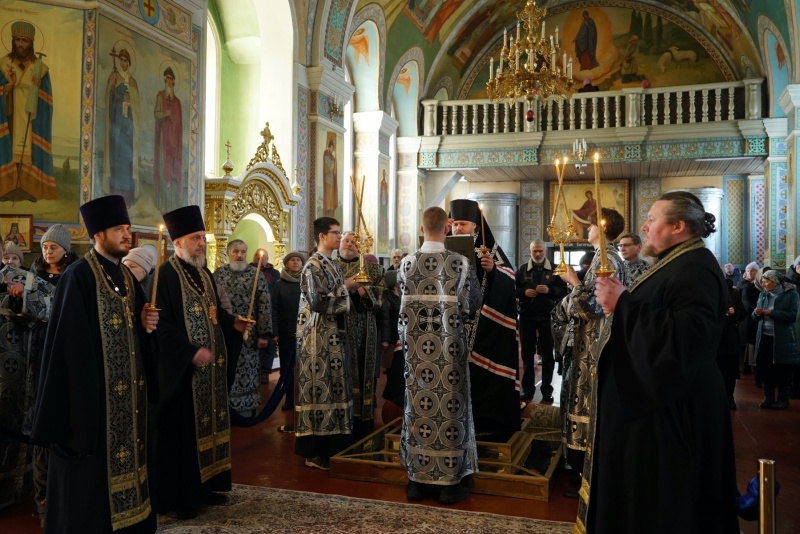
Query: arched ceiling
point(457, 38)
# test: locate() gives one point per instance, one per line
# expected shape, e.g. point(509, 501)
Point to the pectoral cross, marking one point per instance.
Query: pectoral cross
point(120, 388)
point(228, 150)
point(212, 314)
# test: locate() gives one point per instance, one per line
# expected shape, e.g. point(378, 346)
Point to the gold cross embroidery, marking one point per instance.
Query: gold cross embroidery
point(205, 420)
point(120, 388)
point(196, 309)
point(122, 454)
point(220, 361)
point(141, 382)
point(115, 321)
point(222, 414)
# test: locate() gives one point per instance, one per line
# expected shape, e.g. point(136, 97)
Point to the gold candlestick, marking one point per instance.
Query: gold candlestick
point(363, 241)
point(152, 306)
point(245, 334)
point(560, 235)
point(604, 269)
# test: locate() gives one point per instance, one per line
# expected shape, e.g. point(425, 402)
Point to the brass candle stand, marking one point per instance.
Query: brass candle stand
point(560, 235)
point(362, 240)
point(604, 269)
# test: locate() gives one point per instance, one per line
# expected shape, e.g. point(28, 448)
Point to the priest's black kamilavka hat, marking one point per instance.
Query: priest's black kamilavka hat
point(104, 212)
point(183, 221)
point(463, 209)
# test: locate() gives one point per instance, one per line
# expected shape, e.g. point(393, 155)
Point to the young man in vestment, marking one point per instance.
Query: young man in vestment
point(237, 279)
point(195, 337)
point(92, 403)
point(438, 291)
point(323, 415)
point(662, 458)
point(492, 332)
point(362, 331)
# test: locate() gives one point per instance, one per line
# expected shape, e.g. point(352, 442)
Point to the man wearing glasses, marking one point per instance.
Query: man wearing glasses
point(630, 248)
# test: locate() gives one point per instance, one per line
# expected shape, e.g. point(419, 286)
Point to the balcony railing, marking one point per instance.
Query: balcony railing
point(631, 108)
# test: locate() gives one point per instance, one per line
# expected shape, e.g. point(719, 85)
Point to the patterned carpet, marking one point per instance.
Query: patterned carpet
point(253, 509)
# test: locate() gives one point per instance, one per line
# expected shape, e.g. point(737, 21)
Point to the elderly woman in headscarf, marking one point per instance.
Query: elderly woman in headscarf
point(285, 309)
point(776, 338)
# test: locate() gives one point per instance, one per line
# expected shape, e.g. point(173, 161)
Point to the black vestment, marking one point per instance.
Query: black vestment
point(70, 414)
point(663, 458)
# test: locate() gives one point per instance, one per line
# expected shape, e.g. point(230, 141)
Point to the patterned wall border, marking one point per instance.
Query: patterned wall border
point(530, 215)
point(87, 98)
point(778, 146)
point(311, 196)
point(366, 141)
point(734, 213)
point(778, 216)
point(413, 54)
point(302, 167)
point(446, 83)
point(667, 14)
point(765, 24)
point(194, 119)
point(714, 147)
point(373, 13)
point(322, 107)
point(757, 221)
point(167, 17)
point(310, 30)
point(646, 193)
point(338, 13)
point(383, 143)
point(405, 207)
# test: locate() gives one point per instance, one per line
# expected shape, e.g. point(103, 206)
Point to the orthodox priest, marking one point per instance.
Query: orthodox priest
point(195, 337)
point(438, 291)
point(237, 279)
point(24, 301)
point(323, 415)
point(492, 333)
point(362, 332)
point(663, 448)
point(91, 407)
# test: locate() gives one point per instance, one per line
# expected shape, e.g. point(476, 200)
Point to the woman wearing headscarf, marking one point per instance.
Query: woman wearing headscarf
point(776, 339)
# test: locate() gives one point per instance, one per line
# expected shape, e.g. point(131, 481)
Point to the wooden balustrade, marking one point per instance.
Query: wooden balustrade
point(631, 107)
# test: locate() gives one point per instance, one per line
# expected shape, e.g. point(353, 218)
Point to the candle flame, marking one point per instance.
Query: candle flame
point(160, 226)
point(557, 162)
point(596, 156)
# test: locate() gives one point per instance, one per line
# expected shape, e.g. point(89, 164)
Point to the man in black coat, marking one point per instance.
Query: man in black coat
point(538, 291)
point(662, 458)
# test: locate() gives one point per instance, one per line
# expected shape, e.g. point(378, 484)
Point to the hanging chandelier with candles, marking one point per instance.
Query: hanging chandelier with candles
point(541, 72)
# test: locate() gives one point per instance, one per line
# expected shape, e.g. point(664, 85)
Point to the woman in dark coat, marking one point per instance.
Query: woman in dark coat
point(730, 345)
point(285, 308)
point(776, 339)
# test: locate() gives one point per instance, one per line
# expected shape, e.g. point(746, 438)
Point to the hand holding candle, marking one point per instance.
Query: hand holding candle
point(159, 249)
point(245, 334)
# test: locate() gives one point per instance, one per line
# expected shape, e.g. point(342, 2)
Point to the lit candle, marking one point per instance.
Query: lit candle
point(155, 276)
point(558, 193)
point(245, 335)
point(599, 212)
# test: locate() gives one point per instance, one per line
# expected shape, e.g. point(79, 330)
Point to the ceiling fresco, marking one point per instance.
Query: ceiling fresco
point(673, 41)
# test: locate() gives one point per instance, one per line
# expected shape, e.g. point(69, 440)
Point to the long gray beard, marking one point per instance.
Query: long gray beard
point(238, 266)
point(198, 261)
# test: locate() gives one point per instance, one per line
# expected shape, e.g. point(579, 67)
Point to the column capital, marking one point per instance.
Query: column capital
point(374, 121)
point(330, 82)
point(776, 127)
point(789, 99)
point(408, 145)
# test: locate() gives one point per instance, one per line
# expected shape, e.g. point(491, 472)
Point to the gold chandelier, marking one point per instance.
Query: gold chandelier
point(540, 73)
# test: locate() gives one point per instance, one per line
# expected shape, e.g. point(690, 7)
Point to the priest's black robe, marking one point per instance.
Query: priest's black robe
point(70, 416)
point(663, 459)
point(178, 472)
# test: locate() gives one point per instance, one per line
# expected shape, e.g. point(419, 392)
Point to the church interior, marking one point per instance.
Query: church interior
point(270, 114)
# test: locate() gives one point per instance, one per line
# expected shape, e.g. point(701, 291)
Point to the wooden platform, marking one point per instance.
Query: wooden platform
point(505, 468)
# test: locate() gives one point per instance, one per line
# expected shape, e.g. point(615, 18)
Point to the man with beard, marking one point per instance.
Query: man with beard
point(168, 150)
point(492, 333)
point(195, 337)
point(121, 156)
point(91, 407)
point(26, 108)
point(662, 447)
point(362, 331)
point(236, 279)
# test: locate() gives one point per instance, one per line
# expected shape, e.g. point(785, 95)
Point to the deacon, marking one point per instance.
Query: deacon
point(662, 443)
point(194, 337)
point(492, 333)
point(323, 415)
point(24, 302)
point(93, 393)
point(437, 440)
point(237, 280)
point(362, 331)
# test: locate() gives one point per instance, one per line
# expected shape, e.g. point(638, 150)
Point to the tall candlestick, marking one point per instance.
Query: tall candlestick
point(517, 30)
point(491, 69)
point(159, 249)
point(564, 68)
point(543, 23)
point(505, 37)
point(245, 334)
point(483, 234)
point(556, 35)
point(601, 234)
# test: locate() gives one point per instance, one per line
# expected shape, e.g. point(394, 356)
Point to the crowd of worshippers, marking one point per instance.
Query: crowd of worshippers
point(134, 420)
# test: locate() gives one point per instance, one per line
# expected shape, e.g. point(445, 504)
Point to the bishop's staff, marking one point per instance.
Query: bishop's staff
point(604, 270)
point(253, 294)
point(159, 259)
